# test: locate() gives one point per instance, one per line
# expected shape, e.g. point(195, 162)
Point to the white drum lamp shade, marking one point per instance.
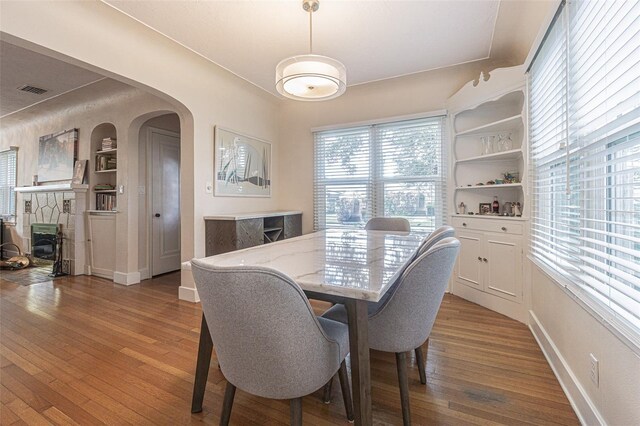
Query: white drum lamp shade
point(311, 78)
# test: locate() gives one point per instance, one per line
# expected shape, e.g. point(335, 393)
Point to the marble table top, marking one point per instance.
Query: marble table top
point(355, 264)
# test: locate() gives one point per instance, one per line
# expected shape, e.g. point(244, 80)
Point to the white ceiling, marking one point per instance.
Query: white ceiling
point(374, 39)
point(19, 67)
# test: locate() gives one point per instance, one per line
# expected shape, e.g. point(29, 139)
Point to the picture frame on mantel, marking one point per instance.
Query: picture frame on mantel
point(57, 153)
point(242, 165)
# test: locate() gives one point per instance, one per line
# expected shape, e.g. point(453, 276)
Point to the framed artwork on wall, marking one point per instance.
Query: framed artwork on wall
point(56, 156)
point(242, 165)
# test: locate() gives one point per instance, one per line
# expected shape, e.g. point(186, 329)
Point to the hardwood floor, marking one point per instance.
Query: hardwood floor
point(82, 350)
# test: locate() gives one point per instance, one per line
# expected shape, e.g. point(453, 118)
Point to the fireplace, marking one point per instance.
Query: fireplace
point(43, 240)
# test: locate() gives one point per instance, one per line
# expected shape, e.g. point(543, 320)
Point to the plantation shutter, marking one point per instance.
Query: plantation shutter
point(8, 165)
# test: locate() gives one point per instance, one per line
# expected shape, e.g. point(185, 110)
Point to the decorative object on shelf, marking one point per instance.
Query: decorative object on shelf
point(461, 208)
point(311, 77)
point(56, 156)
point(507, 208)
point(495, 206)
point(242, 165)
point(34, 180)
point(517, 210)
point(491, 182)
point(484, 208)
point(486, 145)
point(79, 171)
point(498, 181)
point(511, 177)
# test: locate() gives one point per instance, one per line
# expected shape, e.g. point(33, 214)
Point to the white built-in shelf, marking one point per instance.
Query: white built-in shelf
point(107, 171)
point(514, 154)
point(494, 126)
point(491, 216)
point(496, 186)
point(107, 151)
point(97, 191)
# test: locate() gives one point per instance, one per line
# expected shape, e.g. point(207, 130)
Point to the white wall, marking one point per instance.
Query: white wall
point(417, 93)
point(568, 334)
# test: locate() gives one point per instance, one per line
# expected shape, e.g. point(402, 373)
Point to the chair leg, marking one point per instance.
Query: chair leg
point(403, 381)
point(296, 411)
point(421, 366)
point(346, 390)
point(229, 393)
point(326, 396)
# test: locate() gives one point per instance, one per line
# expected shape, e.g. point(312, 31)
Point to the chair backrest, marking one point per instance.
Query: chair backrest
point(430, 240)
point(398, 224)
point(267, 339)
point(406, 320)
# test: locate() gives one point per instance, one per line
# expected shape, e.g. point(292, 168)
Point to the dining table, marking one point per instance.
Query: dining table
point(348, 266)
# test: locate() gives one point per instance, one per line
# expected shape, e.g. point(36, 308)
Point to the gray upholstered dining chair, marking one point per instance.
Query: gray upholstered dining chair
point(405, 320)
point(267, 339)
point(398, 224)
point(430, 240)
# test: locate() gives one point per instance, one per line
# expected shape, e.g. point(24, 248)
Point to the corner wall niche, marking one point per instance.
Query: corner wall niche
point(103, 168)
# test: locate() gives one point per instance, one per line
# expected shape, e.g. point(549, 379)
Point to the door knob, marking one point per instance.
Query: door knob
point(157, 215)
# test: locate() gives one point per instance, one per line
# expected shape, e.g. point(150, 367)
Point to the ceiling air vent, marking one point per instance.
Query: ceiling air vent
point(32, 89)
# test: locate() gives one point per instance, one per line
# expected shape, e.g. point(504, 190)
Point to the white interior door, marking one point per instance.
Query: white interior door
point(165, 201)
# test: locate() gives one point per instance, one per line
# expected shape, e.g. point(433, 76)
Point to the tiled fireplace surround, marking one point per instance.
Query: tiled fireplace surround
point(63, 205)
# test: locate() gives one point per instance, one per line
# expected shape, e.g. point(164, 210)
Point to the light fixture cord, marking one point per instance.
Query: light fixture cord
point(310, 30)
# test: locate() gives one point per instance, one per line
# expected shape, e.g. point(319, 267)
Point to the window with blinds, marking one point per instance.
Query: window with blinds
point(390, 169)
point(584, 109)
point(8, 164)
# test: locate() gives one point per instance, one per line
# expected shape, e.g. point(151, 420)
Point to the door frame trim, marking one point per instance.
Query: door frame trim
point(147, 272)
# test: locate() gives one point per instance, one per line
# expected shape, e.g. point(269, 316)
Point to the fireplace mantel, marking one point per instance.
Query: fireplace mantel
point(54, 188)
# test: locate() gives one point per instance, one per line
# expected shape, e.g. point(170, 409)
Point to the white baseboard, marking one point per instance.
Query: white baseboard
point(126, 278)
point(189, 294)
point(145, 274)
point(585, 409)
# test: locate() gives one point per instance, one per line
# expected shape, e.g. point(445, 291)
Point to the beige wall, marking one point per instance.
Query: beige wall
point(94, 35)
point(418, 93)
point(106, 101)
point(569, 333)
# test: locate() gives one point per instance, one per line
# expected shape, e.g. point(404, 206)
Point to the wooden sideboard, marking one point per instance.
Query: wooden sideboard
point(230, 232)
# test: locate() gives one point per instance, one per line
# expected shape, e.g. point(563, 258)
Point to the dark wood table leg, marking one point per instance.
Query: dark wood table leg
point(205, 349)
point(360, 365)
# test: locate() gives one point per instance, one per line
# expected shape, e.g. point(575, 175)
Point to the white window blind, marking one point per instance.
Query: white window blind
point(591, 232)
point(8, 160)
point(391, 169)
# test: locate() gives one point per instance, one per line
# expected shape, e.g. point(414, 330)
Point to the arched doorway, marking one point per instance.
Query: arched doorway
point(159, 195)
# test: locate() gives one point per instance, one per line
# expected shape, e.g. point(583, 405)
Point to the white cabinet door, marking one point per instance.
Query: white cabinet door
point(469, 268)
point(102, 244)
point(503, 266)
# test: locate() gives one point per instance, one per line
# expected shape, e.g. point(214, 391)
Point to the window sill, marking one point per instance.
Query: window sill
point(621, 331)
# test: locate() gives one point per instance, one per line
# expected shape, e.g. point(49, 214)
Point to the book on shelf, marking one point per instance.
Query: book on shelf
point(108, 143)
point(106, 162)
point(104, 187)
point(105, 201)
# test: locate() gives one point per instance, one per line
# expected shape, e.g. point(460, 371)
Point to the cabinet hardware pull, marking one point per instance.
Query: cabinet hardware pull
point(504, 228)
point(485, 259)
point(464, 224)
point(479, 258)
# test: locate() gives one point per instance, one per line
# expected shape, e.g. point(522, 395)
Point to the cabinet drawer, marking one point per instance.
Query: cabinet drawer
point(488, 225)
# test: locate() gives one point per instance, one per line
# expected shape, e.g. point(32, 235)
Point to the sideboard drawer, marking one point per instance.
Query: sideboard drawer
point(504, 226)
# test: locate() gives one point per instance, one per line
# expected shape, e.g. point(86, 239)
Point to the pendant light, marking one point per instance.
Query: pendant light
point(311, 77)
